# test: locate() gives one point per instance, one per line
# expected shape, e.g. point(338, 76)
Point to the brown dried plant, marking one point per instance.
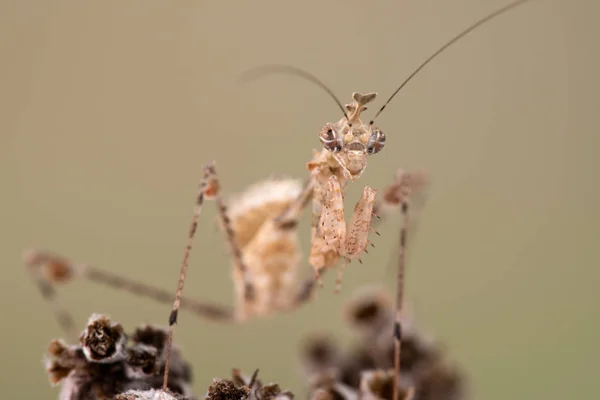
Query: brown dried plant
point(366, 371)
point(109, 364)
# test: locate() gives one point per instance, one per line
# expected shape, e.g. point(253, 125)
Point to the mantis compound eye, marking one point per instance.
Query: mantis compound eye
point(331, 139)
point(376, 142)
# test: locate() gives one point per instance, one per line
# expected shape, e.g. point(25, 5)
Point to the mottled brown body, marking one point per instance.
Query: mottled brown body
point(261, 230)
point(347, 145)
point(271, 251)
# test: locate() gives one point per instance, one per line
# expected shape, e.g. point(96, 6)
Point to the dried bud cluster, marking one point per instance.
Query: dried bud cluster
point(244, 388)
point(103, 365)
point(237, 388)
point(109, 364)
point(366, 372)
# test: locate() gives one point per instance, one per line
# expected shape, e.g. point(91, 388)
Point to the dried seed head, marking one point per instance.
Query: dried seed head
point(366, 372)
point(61, 360)
point(272, 391)
point(327, 385)
point(58, 370)
point(222, 389)
point(440, 382)
point(379, 385)
point(370, 312)
point(152, 336)
point(319, 353)
point(57, 347)
point(417, 354)
point(243, 387)
point(355, 362)
point(327, 378)
point(180, 373)
point(152, 394)
point(103, 341)
point(141, 361)
point(102, 366)
point(325, 394)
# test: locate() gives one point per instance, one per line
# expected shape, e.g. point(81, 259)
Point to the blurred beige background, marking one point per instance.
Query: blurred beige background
point(109, 109)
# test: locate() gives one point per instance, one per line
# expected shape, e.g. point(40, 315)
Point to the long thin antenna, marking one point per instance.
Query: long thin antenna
point(184, 265)
point(263, 70)
point(448, 44)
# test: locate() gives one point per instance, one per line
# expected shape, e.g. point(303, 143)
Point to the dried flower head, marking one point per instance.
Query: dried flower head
point(104, 366)
point(270, 391)
point(326, 385)
point(238, 387)
point(366, 371)
point(379, 385)
point(441, 381)
point(152, 394)
point(103, 341)
point(222, 389)
point(369, 312)
point(109, 364)
point(319, 354)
